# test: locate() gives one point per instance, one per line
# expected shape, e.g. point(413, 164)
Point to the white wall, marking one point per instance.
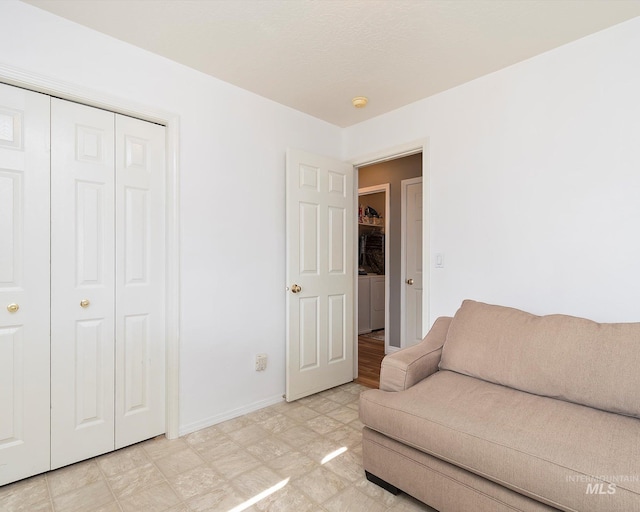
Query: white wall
point(534, 180)
point(232, 156)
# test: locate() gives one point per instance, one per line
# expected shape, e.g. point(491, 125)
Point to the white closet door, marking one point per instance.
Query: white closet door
point(140, 271)
point(24, 283)
point(82, 282)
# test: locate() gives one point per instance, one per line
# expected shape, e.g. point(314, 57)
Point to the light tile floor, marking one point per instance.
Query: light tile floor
point(274, 459)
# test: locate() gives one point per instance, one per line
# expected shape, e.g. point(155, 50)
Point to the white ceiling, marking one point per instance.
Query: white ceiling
point(315, 55)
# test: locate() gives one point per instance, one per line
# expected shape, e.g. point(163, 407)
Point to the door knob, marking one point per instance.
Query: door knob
point(295, 288)
point(84, 303)
point(409, 281)
point(12, 308)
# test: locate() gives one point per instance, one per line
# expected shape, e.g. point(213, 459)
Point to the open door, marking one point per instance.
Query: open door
point(320, 222)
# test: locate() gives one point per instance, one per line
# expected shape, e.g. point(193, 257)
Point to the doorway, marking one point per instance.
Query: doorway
point(373, 265)
point(386, 176)
point(373, 282)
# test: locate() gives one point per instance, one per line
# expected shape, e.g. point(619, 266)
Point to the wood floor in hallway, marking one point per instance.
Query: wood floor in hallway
point(370, 355)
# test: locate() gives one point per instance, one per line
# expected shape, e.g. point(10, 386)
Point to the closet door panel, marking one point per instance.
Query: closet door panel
point(24, 283)
point(82, 282)
point(140, 289)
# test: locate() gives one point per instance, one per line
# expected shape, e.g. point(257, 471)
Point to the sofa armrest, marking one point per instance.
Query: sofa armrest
point(406, 367)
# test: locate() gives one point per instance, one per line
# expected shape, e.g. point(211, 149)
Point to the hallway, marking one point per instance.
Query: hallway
point(370, 355)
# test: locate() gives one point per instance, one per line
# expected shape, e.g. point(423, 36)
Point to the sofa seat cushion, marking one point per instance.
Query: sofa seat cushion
point(566, 455)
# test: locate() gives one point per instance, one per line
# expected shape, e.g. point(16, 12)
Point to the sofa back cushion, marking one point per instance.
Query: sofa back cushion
point(558, 356)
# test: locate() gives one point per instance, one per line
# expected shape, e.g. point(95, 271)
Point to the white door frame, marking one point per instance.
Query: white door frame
point(384, 187)
point(72, 92)
point(410, 148)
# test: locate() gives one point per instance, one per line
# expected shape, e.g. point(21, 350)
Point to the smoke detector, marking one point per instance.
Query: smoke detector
point(359, 101)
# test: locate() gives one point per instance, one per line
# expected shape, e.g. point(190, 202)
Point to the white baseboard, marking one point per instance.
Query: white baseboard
point(229, 415)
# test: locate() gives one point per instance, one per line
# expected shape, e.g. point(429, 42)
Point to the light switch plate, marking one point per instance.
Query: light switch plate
point(261, 362)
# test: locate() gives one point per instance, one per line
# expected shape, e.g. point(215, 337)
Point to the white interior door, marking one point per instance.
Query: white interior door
point(82, 282)
point(140, 291)
point(411, 298)
point(24, 283)
point(320, 273)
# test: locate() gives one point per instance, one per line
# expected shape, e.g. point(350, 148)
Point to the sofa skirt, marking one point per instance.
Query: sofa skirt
point(441, 485)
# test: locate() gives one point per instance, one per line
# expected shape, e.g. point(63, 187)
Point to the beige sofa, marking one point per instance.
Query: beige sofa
point(500, 410)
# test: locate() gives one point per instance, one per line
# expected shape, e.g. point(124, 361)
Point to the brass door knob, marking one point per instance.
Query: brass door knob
point(409, 281)
point(84, 303)
point(12, 308)
point(295, 288)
